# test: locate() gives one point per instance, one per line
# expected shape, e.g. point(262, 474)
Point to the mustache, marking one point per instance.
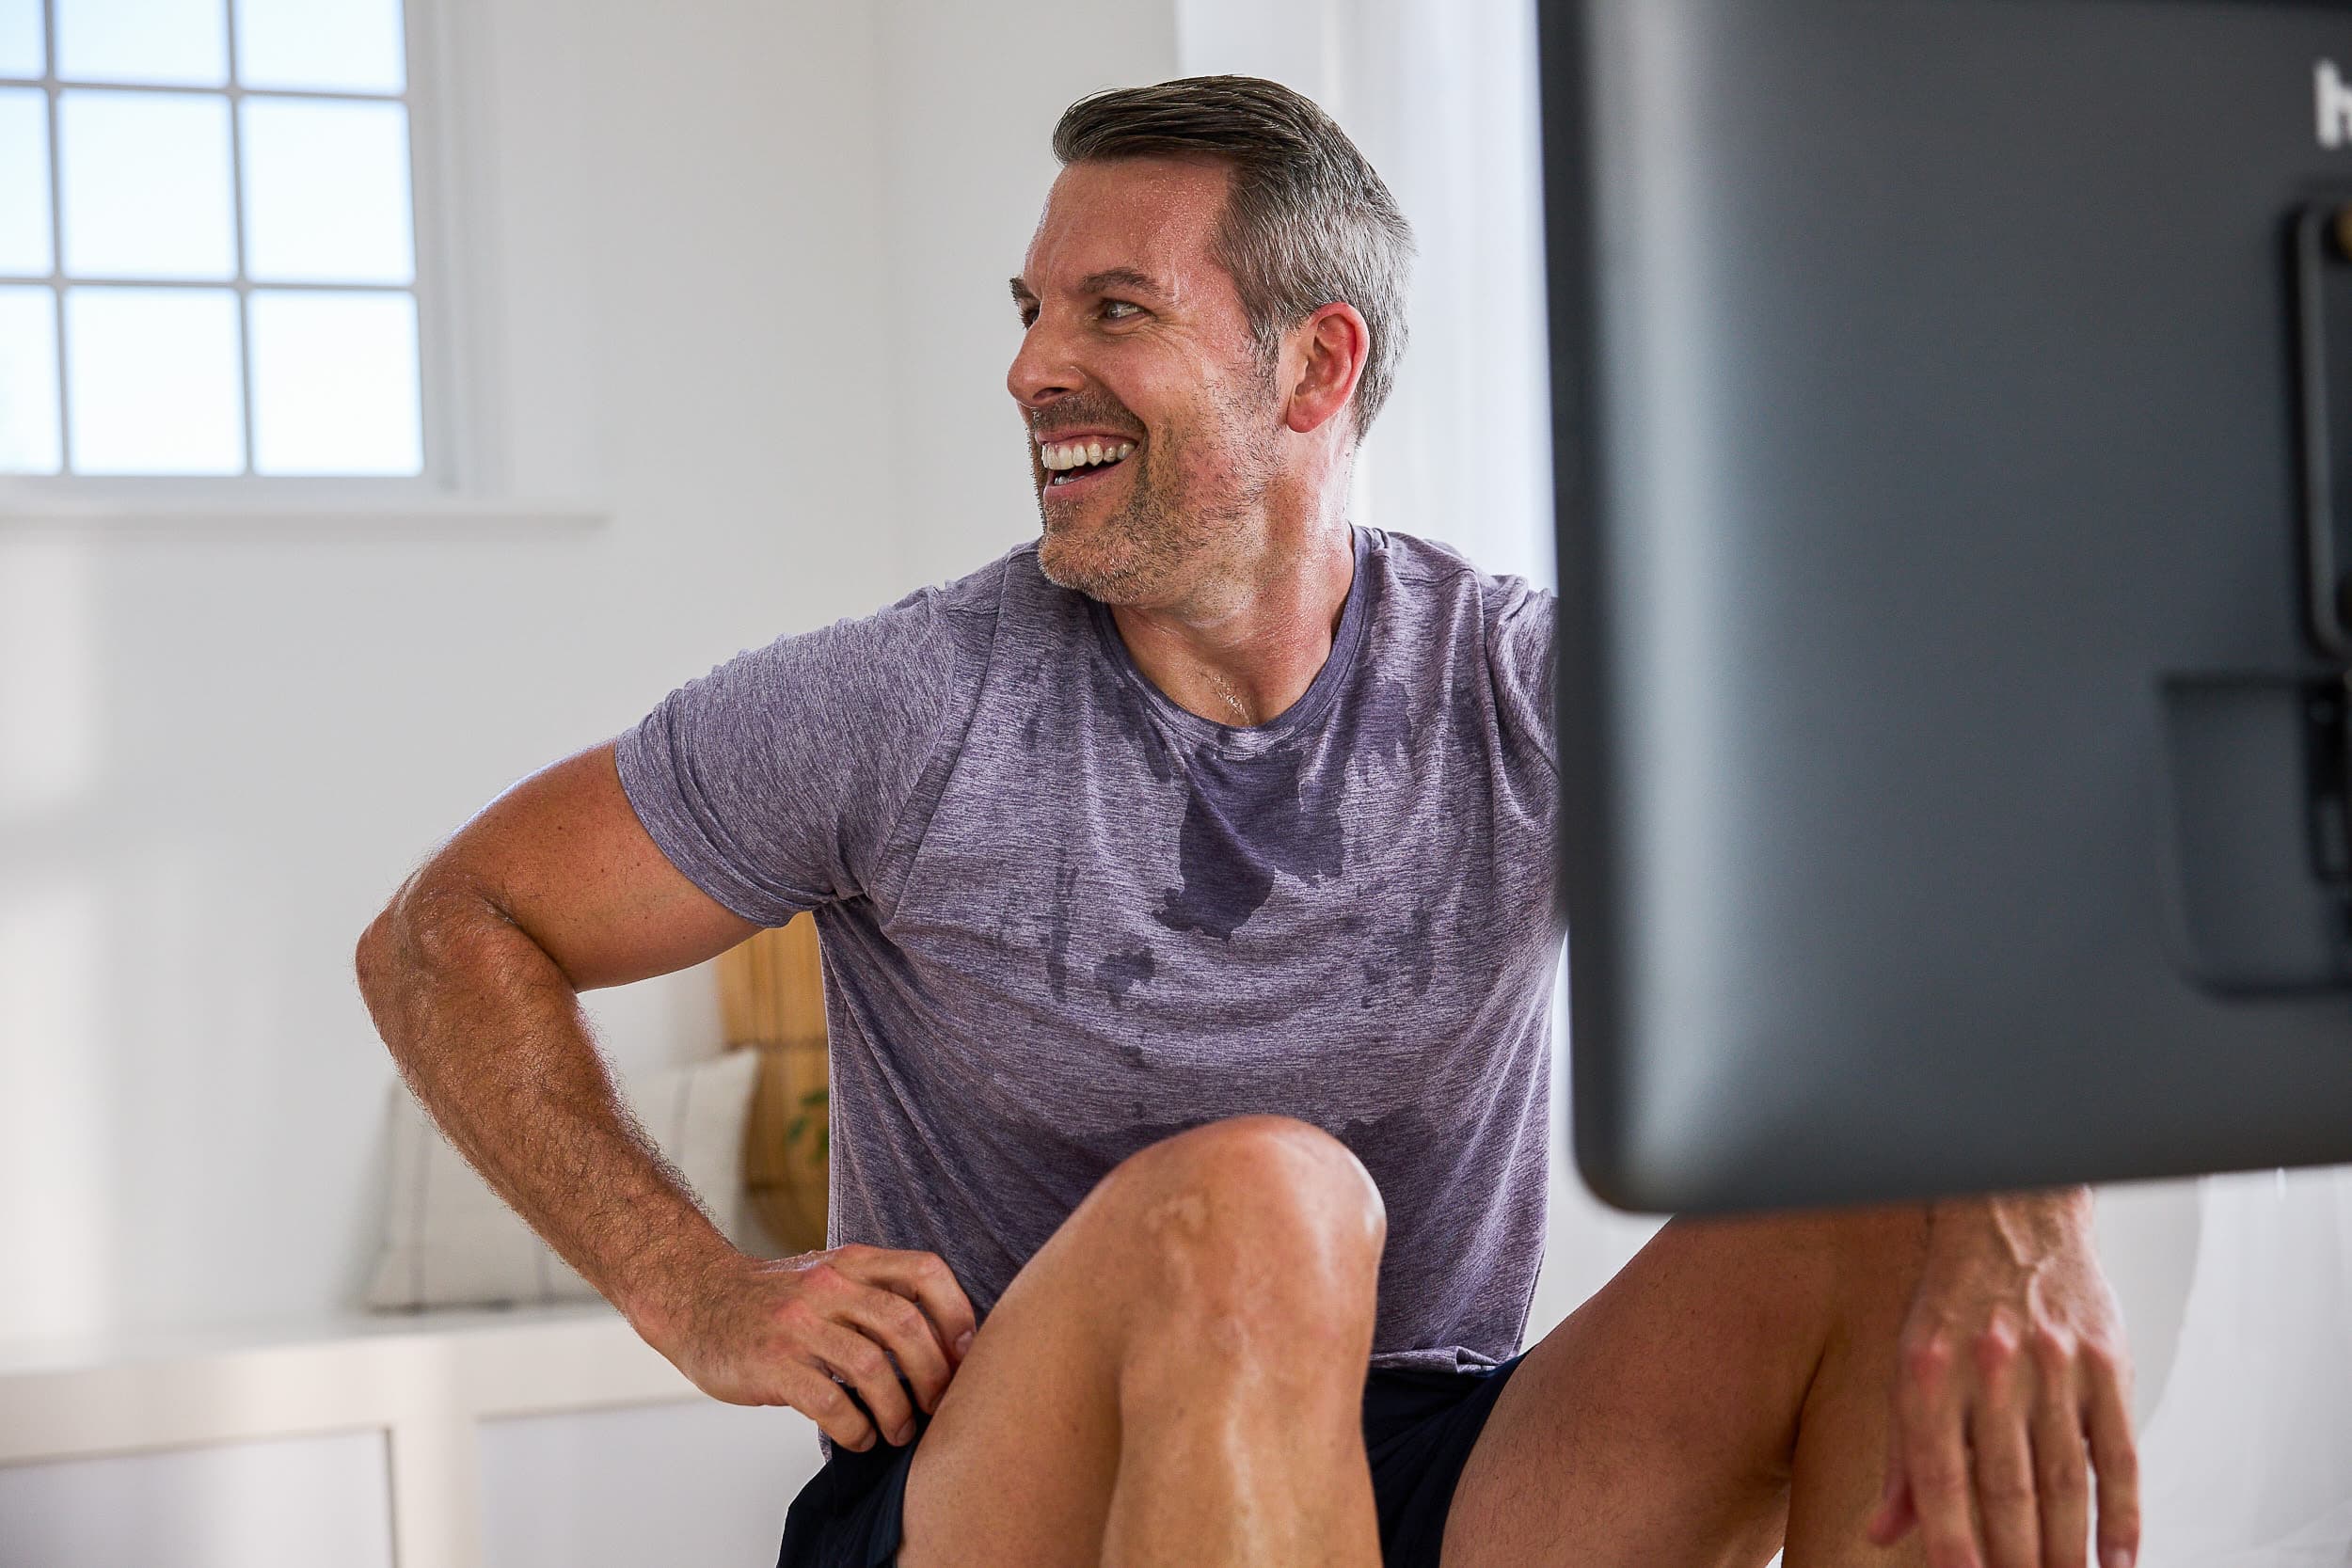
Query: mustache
point(1069, 415)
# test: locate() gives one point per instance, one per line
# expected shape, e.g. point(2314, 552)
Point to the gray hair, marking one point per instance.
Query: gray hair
point(1307, 220)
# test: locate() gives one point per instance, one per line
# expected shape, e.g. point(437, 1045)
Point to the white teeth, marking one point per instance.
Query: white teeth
point(1079, 454)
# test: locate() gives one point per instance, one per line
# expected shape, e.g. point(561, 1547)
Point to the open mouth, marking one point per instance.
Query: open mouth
point(1071, 464)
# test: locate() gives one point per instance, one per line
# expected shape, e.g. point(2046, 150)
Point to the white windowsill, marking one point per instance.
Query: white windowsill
point(203, 514)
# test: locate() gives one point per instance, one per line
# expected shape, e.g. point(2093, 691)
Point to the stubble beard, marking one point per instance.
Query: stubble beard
point(1131, 556)
point(1159, 543)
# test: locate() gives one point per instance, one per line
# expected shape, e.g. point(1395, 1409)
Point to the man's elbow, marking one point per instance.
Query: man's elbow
point(375, 960)
point(399, 941)
point(370, 959)
point(442, 920)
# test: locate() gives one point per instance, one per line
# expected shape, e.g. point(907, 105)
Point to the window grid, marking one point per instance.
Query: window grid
point(235, 92)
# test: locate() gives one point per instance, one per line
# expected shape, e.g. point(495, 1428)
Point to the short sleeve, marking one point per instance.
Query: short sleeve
point(1520, 625)
point(775, 781)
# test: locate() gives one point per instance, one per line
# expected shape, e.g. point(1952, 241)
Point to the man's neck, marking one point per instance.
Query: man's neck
point(1244, 652)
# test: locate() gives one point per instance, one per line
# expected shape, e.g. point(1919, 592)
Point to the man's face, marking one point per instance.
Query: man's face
point(1134, 333)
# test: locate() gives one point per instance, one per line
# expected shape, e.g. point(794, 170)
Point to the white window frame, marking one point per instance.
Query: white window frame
point(460, 472)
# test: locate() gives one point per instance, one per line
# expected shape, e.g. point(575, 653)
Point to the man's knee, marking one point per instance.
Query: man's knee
point(1255, 1214)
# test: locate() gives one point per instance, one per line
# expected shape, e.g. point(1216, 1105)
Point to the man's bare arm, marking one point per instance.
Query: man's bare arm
point(473, 973)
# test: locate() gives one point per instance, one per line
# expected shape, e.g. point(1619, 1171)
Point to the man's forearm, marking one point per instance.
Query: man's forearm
point(489, 1034)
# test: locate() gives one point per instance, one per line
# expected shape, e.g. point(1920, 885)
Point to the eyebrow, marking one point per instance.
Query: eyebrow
point(1096, 282)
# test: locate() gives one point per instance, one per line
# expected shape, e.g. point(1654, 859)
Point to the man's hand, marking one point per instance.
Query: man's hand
point(752, 1331)
point(2013, 1388)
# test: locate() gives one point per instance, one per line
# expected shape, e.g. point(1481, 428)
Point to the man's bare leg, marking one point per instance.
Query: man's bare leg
point(1176, 1377)
point(1731, 1382)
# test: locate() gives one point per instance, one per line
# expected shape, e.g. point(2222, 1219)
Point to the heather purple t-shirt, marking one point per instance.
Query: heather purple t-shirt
point(1063, 918)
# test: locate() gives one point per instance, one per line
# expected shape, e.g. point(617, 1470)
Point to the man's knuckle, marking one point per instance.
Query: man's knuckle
point(1994, 1351)
point(2065, 1473)
point(2101, 1356)
point(2052, 1347)
point(1926, 1359)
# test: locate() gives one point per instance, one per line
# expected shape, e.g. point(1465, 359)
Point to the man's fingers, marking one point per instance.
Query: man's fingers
point(2005, 1483)
point(2062, 1474)
point(901, 1328)
point(1998, 1432)
point(924, 1278)
point(2117, 1461)
point(860, 1362)
point(1935, 1452)
point(824, 1401)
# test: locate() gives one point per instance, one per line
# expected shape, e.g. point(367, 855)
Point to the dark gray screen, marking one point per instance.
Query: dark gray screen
point(1944, 719)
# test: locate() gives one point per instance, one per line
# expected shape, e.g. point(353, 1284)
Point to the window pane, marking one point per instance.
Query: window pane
point(24, 182)
point(152, 381)
point(184, 43)
point(326, 192)
point(20, 46)
point(344, 45)
point(28, 381)
point(335, 384)
point(146, 180)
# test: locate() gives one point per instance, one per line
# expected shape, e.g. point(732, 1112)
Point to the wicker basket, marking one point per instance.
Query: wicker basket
point(771, 999)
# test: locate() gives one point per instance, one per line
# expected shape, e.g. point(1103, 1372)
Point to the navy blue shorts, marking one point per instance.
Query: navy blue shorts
point(1418, 1427)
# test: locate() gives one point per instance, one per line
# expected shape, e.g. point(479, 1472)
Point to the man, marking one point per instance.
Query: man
point(1184, 881)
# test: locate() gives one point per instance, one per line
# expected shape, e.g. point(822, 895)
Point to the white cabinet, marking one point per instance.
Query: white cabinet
point(702, 1485)
point(294, 1502)
point(483, 1440)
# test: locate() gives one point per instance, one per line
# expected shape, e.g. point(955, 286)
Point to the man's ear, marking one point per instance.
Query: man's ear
point(1333, 346)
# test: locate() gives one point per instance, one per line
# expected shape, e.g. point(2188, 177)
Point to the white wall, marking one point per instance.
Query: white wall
point(970, 96)
point(221, 746)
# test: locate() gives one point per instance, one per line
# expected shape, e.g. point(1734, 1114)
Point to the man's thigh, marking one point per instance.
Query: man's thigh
point(1658, 1423)
point(1017, 1462)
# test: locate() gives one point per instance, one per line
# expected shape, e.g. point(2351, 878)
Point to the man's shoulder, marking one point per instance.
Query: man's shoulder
point(956, 619)
point(978, 592)
point(1497, 620)
point(1433, 569)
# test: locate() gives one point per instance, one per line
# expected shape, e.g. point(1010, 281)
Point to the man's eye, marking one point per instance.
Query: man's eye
point(1109, 306)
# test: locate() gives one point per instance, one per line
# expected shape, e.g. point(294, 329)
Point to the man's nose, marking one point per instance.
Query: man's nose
point(1044, 369)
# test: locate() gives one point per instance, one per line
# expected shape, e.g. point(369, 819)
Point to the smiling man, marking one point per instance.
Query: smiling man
point(1184, 883)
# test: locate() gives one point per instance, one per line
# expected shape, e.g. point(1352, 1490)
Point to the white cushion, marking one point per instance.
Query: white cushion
point(450, 1241)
